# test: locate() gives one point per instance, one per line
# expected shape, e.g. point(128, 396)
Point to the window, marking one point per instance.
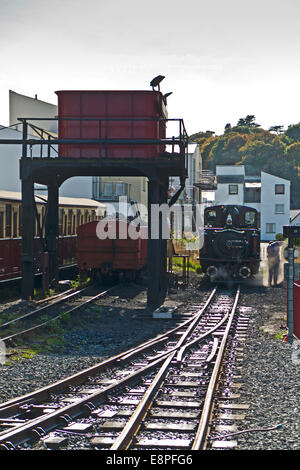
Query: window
point(8, 213)
point(270, 228)
point(233, 189)
point(211, 216)
point(78, 214)
point(108, 189)
point(61, 222)
point(20, 220)
point(279, 188)
point(279, 208)
point(70, 219)
point(120, 189)
point(1, 224)
point(250, 218)
point(15, 224)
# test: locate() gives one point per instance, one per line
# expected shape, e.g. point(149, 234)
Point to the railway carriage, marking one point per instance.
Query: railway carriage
point(73, 212)
point(231, 248)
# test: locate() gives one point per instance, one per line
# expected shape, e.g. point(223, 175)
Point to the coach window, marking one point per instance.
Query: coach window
point(233, 189)
point(65, 225)
point(78, 217)
point(20, 220)
point(8, 221)
point(70, 218)
point(15, 224)
point(279, 188)
point(61, 221)
point(1, 224)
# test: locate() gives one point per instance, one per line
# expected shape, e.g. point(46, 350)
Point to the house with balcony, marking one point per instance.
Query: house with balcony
point(109, 190)
point(269, 194)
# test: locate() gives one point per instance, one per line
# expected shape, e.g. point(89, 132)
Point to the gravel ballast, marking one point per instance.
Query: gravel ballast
point(270, 376)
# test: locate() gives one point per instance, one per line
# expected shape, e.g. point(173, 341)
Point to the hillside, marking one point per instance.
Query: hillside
point(274, 151)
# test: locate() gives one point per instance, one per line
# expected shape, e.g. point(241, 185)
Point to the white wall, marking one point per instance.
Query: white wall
point(222, 195)
point(10, 160)
point(268, 201)
point(78, 186)
point(25, 106)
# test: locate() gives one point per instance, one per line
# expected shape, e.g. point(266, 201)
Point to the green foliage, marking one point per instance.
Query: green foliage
point(193, 266)
point(79, 282)
point(293, 131)
point(274, 151)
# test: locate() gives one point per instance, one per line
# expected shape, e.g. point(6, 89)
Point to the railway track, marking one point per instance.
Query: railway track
point(49, 311)
point(160, 395)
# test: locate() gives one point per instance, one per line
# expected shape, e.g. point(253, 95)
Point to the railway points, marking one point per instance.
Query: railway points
point(161, 364)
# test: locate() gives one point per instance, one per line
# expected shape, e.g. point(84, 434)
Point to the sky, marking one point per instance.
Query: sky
point(222, 59)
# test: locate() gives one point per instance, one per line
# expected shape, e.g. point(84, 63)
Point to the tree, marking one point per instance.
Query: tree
point(249, 121)
point(293, 154)
point(293, 131)
point(277, 129)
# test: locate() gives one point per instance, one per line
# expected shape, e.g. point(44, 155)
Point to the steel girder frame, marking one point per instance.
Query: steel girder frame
point(54, 171)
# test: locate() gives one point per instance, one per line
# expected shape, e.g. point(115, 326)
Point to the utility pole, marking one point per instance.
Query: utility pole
point(291, 232)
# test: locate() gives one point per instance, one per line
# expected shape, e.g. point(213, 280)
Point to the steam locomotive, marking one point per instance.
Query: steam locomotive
point(231, 248)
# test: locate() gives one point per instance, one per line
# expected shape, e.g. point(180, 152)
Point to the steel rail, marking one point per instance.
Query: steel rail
point(97, 368)
point(49, 421)
point(199, 441)
point(200, 338)
point(45, 423)
point(44, 307)
point(40, 325)
point(125, 437)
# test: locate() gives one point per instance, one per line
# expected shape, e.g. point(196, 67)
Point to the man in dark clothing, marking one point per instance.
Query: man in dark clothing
point(273, 253)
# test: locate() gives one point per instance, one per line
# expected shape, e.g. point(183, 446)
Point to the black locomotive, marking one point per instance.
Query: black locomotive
point(231, 248)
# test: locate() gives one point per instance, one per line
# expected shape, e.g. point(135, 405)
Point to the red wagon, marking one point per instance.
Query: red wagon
point(119, 256)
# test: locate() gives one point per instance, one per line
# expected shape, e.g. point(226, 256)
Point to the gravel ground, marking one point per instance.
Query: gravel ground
point(270, 376)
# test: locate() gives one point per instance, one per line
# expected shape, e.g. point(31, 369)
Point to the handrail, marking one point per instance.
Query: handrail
point(52, 139)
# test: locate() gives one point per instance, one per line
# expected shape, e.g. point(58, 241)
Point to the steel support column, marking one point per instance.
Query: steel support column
point(27, 239)
point(157, 247)
point(51, 229)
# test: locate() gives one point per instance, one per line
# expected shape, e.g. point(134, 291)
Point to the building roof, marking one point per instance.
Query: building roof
point(63, 201)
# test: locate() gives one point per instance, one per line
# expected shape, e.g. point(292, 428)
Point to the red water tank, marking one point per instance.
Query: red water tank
point(111, 115)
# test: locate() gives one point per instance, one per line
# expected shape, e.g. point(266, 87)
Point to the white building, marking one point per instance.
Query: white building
point(191, 193)
point(269, 194)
